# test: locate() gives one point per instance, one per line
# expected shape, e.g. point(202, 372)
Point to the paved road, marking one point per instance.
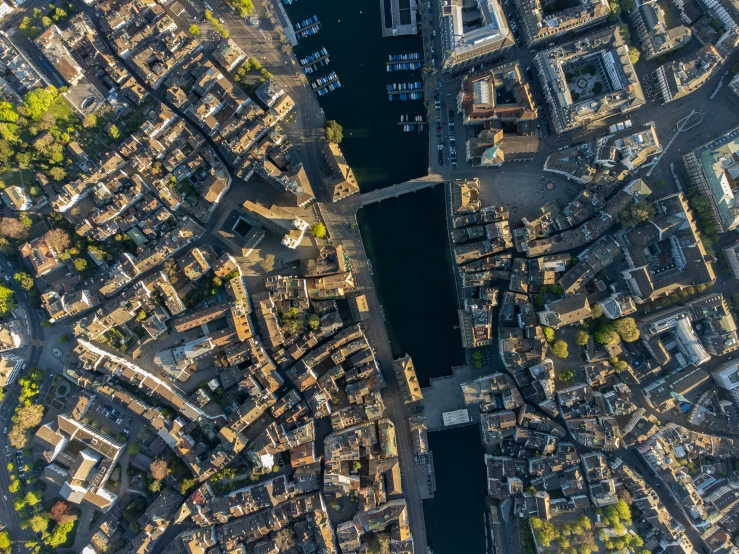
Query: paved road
point(8, 514)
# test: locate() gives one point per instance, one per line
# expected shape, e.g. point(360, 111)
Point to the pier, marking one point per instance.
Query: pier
point(399, 17)
point(313, 61)
point(308, 27)
point(395, 191)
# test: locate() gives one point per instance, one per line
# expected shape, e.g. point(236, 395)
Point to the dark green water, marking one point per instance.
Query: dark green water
point(454, 517)
point(405, 238)
point(375, 146)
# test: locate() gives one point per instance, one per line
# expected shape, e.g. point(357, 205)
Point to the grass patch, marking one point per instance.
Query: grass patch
point(18, 177)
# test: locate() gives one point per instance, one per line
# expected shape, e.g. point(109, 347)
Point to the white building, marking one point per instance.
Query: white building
point(727, 377)
point(10, 366)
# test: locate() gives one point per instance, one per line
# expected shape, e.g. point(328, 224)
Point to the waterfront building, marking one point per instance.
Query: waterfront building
point(544, 21)
point(655, 38)
point(713, 168)
point(588, 79)
point(500, 94)
point(494, 148)
point(683, 76)
point(405, 374)
point(465, 45)
point(465, 196)
point(342, 182)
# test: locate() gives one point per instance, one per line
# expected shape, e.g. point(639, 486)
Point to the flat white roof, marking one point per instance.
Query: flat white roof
point(456, 417)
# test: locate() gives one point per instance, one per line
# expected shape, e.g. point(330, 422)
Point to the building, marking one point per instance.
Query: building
point(290, 228)
point(713, 168)
point(731, 254)
point(40, 256)
point(465, 45)
point(80, 460)
point(498, 94)
point(465, 196)
point(10, 366)
point(405, 373)
point(494, 148)
point(588, 79)
point(726, 377)
point(229, 54)
point(679, 78)
point(52, 45)
point(5, 9)
point(544, 21)
point(16, 198)
point(341, 182)
point(665, 254)
point(567, 311)
point(650, 24)
point(11, 334)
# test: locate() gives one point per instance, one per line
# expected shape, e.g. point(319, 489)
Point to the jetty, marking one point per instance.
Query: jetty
point(313, 61)
point(307, 27)
point(404, 62)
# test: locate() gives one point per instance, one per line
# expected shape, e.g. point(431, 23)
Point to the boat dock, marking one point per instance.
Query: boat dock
point(399, 17)
point(326, 84)
point(415, 125)
point(317, 59)
point(404, 62)
point(405, 91)
point(307, 27)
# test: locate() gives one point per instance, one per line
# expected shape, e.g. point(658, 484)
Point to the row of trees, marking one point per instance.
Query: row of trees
point(27, 414)
point(225, 33)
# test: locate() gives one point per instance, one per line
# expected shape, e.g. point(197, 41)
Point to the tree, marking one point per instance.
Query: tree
point(596, 311)
point(159, 469)
point(188, 483)
point(606, 335)
point(90, 121)
point(560, 349)
point(477, 359)
point(195, 30)
point(57, 173)
point(80, 264)
point(378, 543)
point(32, 498)
point(334, 131)
point(39, 523)
point(548, 334)
point(5, 543)
point(134, 448)
point(318, 230)
point(155, 485)
point(626, 329)
point(634, 55)
point(57, 240)
point(292, 326)
point(7, 300)
point(268, 263)
point(114, 132)
point(582, 337)
point(15, 484)
point(63, 512)
point(636, 213)
point(58, 535)
point(566, 375)
point(284, 539)
point(38, 101)
point(171, 269)
point(314, 322)
point(623, 510)
point(12, 228)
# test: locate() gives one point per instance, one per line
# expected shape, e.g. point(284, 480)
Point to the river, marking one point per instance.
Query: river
point(406, 240)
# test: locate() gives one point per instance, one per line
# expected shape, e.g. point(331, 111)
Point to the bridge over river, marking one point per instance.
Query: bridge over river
point(401, 188)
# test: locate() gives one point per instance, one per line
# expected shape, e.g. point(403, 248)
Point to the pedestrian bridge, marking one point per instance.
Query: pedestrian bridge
point(395, 191)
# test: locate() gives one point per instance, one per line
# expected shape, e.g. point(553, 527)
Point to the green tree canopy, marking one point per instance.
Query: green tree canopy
point(38, 101)
point(195, 30)
point(560, 349)
point(334, 131)
point(548, 334)
point(581, 338)
point(626, 329)
point(318, 230)
point(637, 213)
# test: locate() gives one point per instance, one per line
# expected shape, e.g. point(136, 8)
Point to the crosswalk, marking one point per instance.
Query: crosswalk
point(37, 342)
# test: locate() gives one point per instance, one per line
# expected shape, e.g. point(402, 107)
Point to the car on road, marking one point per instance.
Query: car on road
point(5, 431)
